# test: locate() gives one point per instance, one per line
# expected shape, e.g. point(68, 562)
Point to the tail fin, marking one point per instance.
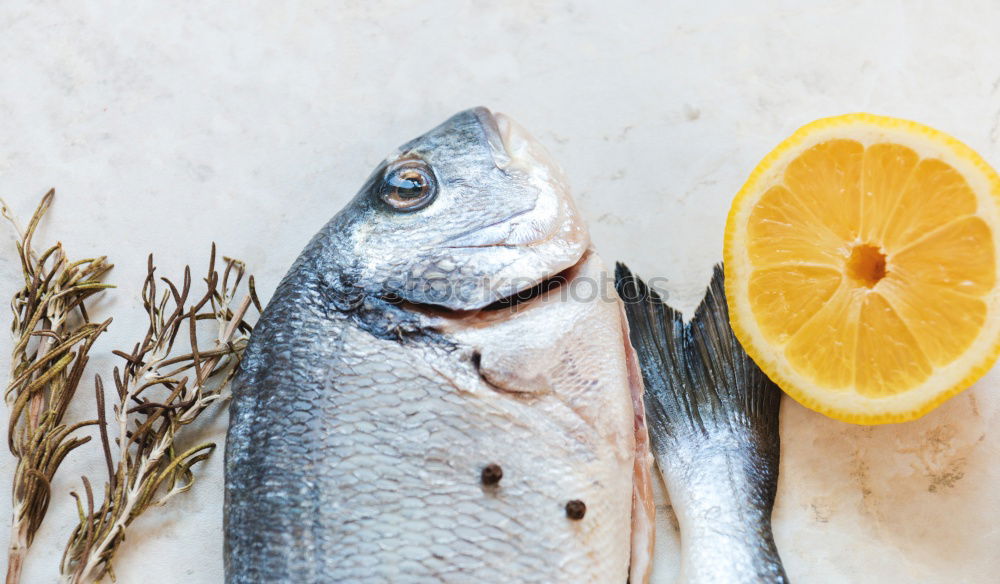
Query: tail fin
point(712, 416)
point(697, 375)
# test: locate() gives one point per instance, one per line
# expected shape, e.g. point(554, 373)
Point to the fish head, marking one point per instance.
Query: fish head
point(471, 212)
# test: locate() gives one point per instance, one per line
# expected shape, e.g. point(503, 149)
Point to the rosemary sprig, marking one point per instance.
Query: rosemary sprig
point(159, 392)
point(53, 337)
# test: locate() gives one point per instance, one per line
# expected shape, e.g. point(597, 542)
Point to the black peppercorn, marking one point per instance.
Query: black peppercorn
point(491, 475)
point(576, 509)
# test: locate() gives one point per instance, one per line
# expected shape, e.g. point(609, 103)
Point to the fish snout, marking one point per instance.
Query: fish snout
point(519, 155)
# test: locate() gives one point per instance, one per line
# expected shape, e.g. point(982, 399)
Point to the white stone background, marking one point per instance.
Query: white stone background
point(167, 126)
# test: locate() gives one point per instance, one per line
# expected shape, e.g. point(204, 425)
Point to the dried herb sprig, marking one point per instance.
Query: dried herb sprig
point(53, 337)
point(159, 393)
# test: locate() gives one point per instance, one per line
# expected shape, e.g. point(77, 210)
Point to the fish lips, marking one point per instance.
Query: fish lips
point(485, 275)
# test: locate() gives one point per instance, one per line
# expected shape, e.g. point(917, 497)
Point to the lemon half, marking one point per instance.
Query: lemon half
point(861, 267)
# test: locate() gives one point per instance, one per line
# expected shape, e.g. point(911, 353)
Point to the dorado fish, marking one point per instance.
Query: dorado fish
point(713, 424)
point(429, 398)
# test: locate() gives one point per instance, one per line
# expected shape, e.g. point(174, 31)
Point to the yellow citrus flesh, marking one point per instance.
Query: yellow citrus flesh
point(861, 267)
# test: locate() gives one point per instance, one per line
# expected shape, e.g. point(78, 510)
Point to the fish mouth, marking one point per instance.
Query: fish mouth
point(541, 290)
point(550, 288)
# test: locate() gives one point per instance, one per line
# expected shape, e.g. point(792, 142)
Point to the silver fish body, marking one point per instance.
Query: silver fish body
point(713, 425)
point(400, 418)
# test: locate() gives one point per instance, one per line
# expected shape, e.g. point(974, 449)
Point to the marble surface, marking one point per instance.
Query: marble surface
point(166, 127)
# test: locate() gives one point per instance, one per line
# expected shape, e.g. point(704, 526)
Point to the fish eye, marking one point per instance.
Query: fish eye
point(408, 186)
